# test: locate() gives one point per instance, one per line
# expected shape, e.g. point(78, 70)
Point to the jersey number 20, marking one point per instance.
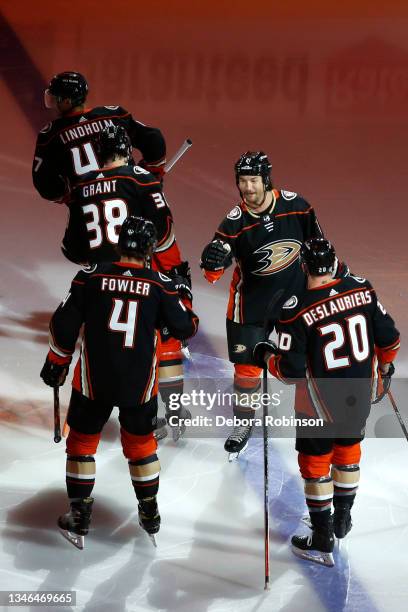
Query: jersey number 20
point(357, 334)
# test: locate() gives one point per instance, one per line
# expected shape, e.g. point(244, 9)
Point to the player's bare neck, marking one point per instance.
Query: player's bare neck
point(74, 110)
point(135, 261)
point(319, 281)
point(114, 163)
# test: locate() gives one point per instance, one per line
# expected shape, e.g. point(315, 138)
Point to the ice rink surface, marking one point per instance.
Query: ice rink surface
point(324, 93)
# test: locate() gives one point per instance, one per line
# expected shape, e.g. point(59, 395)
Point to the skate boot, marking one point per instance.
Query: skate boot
point(149, 517)
point(237, 442)
point(161, 430)
point(178, 427)
point(75, 524)
point(318, 546)
point(342, 520)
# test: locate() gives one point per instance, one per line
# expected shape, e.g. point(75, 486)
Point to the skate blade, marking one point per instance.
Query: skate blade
point(77, 540)
point(234, 456)
point(316, 556)
point(152, 539)
point(177, 433)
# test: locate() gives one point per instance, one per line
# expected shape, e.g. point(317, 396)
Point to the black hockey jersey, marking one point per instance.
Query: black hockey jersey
point(121, 306)
point(101, 202)
point(266, 248)
point(333, 336)
point(65, 147)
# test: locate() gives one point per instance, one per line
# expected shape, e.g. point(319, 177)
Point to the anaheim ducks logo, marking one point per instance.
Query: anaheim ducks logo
point(277, 256)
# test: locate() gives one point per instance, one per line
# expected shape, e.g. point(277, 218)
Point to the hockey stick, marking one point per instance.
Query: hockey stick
point(397, 412)
point(266, 475)
point(184, 147)
point(268, 315)
point(57, 423)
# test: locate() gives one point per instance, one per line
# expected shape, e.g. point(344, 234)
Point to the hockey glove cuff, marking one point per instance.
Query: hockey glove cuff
point(54, 374)
point(262, 350)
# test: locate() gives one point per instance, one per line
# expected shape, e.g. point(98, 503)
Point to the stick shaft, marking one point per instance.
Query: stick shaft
point(266, 477)
point(184, 147)
point(397, 412)
point(57, 423)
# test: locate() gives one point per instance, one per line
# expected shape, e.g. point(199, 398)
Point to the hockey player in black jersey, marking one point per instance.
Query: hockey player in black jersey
point(98, 205)
point(334, 340)
point(263, 233)
point(65, 148)
point(121, 306)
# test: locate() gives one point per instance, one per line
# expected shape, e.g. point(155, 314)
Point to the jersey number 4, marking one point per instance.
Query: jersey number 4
point(84, 158)
point(114, 214)
point(356, 329)
point(127, 325)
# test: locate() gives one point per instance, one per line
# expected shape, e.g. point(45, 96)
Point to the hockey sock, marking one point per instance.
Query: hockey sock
point(173, 388)
point(345, 479)
point(319, 495)
point(80, 476)
point(145, 476)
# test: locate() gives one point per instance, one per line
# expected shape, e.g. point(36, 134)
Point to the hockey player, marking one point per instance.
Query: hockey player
point(264, 233)
point(65, 148)
point(332, 338)
point(98, 205)
point(121, 306)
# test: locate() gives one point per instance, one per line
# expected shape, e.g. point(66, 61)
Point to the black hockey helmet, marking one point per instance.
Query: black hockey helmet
point(137, 237)
point(254, 163)
point(318, 255)
point(113, 140)
point(71, 85)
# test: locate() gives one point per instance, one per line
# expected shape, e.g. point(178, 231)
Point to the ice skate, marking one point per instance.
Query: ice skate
point(161, 430)
point(237, 442)
point(342, 522)
point(149, 517)
point(75, 524)
point(317, 547)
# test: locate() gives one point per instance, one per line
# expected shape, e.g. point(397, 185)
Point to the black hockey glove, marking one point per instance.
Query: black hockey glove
point(54, 374)
point(260, 351)
point(385, 382)
point(216, 256)
point(183, 288)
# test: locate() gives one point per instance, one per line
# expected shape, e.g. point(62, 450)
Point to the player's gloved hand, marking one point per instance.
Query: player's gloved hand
point(183, 269)
point(54, 374)
point(216, 256)
point(157, 171)
point(262, 350)
point(386, 371)
point(183, 288)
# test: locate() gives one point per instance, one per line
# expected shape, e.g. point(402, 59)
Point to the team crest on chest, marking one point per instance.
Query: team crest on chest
point(277, 256)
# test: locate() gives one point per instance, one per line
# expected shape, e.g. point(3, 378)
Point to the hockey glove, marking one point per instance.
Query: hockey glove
point(183, 288)
point(183, 269)
point(261, 350)
point(54, 374)
point(216, 256)
point(157, 171)
point(385, 374)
